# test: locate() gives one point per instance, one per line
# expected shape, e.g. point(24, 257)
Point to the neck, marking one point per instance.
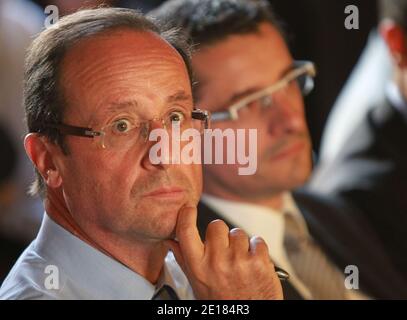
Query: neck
point(143, 257)
point(274, 201)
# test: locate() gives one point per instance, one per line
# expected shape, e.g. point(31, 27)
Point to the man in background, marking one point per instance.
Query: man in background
point(246, 76)
point(370, 172)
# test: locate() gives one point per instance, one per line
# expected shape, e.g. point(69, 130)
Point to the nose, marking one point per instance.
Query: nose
point(287, 116)
point(157, 154)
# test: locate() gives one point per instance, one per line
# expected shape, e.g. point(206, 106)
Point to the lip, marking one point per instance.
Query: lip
point(289, 151)
point(166, 192)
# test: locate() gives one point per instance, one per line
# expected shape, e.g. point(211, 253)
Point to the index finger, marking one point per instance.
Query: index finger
point(188, 236)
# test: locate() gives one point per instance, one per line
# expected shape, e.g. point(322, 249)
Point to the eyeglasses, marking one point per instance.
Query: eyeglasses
point(302, 75)
point(123, 133)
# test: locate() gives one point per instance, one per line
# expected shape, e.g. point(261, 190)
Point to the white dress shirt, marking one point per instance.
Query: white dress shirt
point(269, 224)
point(83, 272)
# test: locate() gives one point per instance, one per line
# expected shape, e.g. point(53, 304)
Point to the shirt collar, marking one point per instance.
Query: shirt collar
point(265, 222)
point(91, 271)
point(256, 220)
point(233, 210)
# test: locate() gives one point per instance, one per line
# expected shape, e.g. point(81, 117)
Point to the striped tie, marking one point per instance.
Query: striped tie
point(165, 293)
point(310, 264)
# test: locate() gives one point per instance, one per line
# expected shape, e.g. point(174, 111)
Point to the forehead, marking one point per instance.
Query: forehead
point(255, 59)
point(121, 66)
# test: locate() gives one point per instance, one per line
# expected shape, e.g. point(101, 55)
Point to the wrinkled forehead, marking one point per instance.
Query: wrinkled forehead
point(121, 65)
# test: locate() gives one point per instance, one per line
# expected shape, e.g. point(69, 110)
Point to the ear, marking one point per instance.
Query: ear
point(395, 39)
point(41, 153)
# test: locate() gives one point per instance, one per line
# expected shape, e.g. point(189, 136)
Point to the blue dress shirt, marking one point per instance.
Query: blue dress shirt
point(58, 265)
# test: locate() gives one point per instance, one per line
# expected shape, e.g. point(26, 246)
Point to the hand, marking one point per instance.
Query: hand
point(228, 265)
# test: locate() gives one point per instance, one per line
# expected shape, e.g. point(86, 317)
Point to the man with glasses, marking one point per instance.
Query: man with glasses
point(97, 83)
point(246, 77)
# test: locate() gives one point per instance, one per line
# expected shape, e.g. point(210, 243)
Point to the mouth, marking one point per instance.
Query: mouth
point(166, 193)
point(291, 150)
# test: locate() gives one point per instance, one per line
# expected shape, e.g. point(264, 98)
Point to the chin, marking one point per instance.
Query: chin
point(285, 180)
point(166, 221)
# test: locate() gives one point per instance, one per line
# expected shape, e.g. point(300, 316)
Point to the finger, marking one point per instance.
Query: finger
point(188, 237)
point(258, 247)
point(239, 242)
point(217, 236)
point(176, 250)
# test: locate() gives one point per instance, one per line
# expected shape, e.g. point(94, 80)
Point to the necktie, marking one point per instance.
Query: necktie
point(165, 293)
point(310, 264)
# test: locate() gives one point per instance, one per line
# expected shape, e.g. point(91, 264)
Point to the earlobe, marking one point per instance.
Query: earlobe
point(53, 178)
point(40, 154)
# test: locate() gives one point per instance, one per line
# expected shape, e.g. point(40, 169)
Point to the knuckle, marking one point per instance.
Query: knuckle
point(219, 266)
point(217, 226)
point(258, 247)
point(217, 223)
point(259, 264)
point(237, 233)
point(199, 275)
point(257, 242)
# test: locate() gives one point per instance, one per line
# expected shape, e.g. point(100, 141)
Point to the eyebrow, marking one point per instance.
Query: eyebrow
point(112, 108)
point(179, 96)
point(176, 97)
point(239, 95)
point(115, 106)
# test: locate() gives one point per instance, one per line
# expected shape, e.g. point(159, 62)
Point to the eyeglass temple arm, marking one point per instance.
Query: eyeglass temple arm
point(306, 68)
point(202, 115)
point(75, 131)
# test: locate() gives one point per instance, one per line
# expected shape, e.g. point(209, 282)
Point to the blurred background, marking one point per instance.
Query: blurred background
point(315, 30)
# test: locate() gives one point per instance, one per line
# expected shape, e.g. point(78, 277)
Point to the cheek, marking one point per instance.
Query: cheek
point(100, 169)
point(197, 172)
point(194, 175)
point(223, 172)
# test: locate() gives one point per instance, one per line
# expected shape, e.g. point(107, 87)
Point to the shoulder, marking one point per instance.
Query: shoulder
point(33, 277)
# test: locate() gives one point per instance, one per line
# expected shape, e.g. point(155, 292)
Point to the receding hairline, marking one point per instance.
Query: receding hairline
point(120, 30)
point(81, 47)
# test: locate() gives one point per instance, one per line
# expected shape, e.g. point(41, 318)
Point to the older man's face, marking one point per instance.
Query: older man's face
point(232, 69)
point(132, 76)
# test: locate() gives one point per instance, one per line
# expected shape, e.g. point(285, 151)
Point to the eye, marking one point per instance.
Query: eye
point(176, 116)
point(121, 126)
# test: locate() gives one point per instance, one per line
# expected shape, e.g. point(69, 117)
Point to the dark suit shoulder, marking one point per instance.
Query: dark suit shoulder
point(348, 238)
point(370, 175)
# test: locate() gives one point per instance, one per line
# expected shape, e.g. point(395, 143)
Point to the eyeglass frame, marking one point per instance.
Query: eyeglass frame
point(66, 129)
point(231, 113)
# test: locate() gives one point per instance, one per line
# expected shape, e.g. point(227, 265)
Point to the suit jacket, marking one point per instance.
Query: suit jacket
point(345, 237)
point(370, 175)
